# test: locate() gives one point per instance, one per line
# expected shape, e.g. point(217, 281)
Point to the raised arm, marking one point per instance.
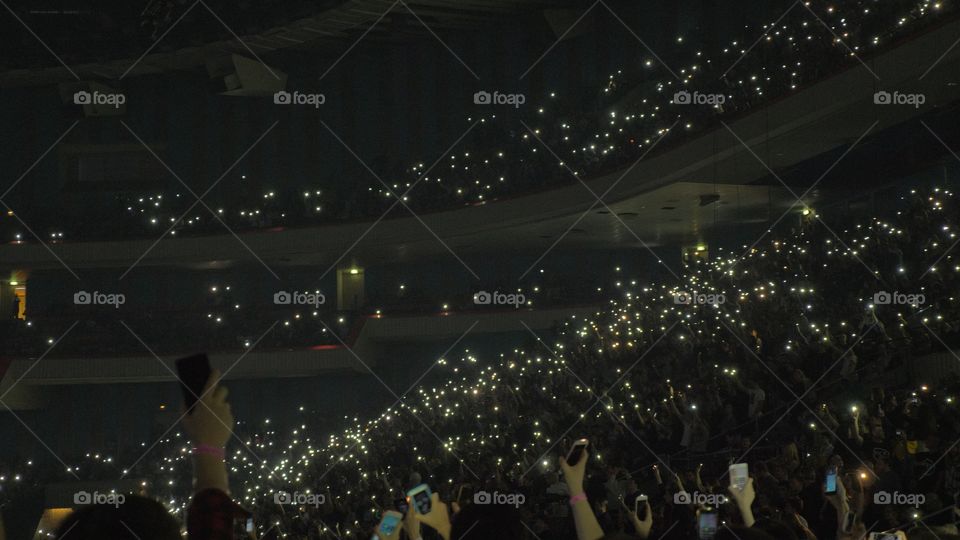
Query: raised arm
point(209, 426)
point(588, 528)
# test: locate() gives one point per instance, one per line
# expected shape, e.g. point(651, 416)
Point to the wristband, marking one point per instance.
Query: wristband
point(209, 450)
point(577, 498)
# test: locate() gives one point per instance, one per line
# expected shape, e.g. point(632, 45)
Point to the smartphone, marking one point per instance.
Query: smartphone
point(831, 481)
point(401, 505)
point(419, 499)
point(848, 520)
point(460, 493)
point(739, 474)
point(389, 522)
point(707, 525)
point(883, 536)
point(640, 507)
point(576, 451)
point(193, 372)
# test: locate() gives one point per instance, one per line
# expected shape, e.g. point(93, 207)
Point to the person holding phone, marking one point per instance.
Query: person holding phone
point(437, 517)
point(743, 499)
point(212, 514)
point(641, 525)
point(588, 528)
point(209, 425)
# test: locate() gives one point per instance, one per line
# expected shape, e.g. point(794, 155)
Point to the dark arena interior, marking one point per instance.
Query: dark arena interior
point(480, 269)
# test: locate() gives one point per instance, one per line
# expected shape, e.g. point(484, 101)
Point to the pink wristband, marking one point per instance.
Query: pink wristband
point(577, 498)
point(209, 450)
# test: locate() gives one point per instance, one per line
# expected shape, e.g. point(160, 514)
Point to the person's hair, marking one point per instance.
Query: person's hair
point(137, 518)
point(483, 521)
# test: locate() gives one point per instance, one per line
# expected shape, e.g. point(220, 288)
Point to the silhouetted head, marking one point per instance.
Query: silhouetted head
point(136, 518)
